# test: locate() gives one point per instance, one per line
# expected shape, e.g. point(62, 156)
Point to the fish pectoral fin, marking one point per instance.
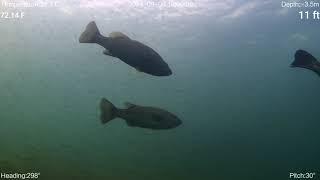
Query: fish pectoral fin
point(129, 123)
point(107, 52)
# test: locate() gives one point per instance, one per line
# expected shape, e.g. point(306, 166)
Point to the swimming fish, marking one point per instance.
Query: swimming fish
point(139, 116)
point(132, 52)
point(303, 59)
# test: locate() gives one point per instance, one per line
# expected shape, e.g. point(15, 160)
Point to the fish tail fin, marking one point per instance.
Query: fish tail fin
point(108, 111)
point(90, 34)
point(303, 59)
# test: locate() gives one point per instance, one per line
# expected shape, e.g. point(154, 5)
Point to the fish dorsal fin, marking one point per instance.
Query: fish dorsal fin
point(117, 34)
point(129, 105)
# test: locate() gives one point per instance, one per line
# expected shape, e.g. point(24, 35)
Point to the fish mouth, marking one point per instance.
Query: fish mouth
point(179, 123)
point(169, 72)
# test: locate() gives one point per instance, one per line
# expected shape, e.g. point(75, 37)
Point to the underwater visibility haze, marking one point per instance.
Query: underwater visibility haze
point(243, 112)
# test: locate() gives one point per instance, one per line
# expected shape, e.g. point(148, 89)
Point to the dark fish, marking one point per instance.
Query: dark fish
point(303, 59)
point(132, 52)
point(139, 116)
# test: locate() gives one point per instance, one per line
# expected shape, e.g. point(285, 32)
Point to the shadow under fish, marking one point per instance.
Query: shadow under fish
point(303, 59)
point(139, 116)
point(132, 52)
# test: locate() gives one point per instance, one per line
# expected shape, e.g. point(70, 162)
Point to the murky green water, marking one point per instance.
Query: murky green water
point(246, 114)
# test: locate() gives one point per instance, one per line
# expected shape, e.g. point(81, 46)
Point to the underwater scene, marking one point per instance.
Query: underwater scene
point(159, 89)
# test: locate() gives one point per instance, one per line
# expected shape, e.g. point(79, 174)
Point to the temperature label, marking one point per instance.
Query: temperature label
point(15, 9)
point(11, 15)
